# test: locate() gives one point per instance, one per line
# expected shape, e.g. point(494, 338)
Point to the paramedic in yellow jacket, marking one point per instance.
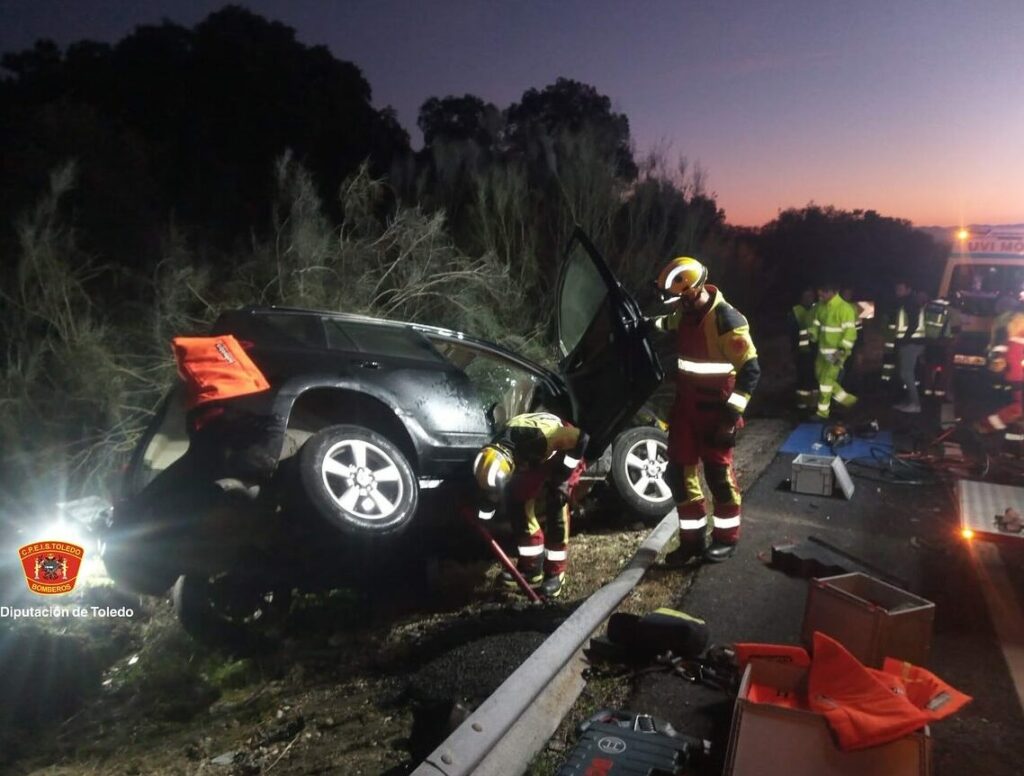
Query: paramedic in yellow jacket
point(534, 462)
point(716, 373)
point(833, 329)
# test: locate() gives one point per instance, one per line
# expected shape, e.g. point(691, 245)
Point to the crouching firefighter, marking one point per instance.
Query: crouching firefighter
point(534, 462)
point(716, 373)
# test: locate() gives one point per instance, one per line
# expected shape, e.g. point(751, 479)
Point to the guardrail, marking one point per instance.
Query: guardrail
point(547, 684)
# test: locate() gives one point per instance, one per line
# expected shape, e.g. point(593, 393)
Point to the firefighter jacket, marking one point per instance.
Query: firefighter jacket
point(538, 437)
point(834, 328)
point(715, 354)
point(800, 319)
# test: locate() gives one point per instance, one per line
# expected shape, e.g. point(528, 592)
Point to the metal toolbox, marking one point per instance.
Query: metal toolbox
point(820, 475)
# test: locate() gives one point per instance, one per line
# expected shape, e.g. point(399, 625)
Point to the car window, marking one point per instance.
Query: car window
point(337, 337)
point(300, 329)
point(384, 340)
point(501, 386)
point(583, 295)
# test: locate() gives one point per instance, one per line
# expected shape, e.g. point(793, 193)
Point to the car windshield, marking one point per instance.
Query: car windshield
point(503, 388)
point(986, 289)
point(583, 293)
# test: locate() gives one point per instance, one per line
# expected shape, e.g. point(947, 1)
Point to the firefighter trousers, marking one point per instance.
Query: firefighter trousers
point(535, 499)
point(691, 443)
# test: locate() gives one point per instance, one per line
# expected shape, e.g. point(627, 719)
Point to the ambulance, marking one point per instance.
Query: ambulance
point(983, 279)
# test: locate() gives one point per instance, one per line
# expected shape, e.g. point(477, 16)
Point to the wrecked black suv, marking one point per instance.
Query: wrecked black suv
point(362, 415)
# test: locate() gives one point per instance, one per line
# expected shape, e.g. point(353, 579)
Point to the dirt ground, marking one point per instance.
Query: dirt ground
point(363, 684)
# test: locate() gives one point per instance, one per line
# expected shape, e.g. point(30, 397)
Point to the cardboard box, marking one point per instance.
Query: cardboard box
point(770, 740)
point(872, 619)
point(820, 475)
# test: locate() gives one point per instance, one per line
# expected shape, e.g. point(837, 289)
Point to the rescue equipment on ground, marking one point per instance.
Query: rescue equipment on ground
point(621, 742)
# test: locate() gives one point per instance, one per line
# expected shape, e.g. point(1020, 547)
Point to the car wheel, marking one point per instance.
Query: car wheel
point(639, 462)
point(358, 480)
point(231, 610)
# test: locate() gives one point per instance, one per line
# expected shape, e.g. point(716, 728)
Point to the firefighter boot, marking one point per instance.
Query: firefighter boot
point(551, 587)
point(530, 569)
point(688, 549)
point(719, 551)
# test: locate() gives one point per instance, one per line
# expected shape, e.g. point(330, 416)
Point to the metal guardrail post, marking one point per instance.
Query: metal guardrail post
point(460, 753)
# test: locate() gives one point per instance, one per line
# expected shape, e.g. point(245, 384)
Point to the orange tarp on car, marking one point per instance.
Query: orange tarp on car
point(216, 368)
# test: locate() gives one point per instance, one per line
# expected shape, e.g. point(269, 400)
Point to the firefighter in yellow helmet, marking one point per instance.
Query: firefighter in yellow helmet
point(532, 464)
point(716, 373)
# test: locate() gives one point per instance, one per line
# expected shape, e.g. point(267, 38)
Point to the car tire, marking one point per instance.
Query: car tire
point(358, 481)
point(237, 611)
point(639, 462)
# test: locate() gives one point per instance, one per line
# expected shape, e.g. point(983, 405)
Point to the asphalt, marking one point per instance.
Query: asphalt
point(909, 532)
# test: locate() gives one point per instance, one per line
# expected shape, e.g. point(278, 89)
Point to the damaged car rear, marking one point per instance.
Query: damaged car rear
point(307, 476)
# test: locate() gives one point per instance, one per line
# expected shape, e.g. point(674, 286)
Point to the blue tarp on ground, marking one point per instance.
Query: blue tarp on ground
point(806, 435)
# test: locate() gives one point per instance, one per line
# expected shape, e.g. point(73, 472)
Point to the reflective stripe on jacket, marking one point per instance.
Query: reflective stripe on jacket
point(715, 352)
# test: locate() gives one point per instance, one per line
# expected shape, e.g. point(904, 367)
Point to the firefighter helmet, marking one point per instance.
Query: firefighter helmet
point(493, 469)
point(680, 275)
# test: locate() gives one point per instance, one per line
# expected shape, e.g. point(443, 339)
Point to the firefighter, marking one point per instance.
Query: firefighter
point(803, 354)
point(717, 371)
point(1007, 360)
point(851, 374)
point(534, 462)
point(833, 329)
point(936, 364)
point(910, 337)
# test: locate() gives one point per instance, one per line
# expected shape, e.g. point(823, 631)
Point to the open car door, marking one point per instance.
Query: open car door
point(608, 362)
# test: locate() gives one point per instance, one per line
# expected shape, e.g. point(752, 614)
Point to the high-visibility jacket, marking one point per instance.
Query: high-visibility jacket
point(802, 317)
point(867, 707)
point(715, 354)
point(910, 323)
point(864, 706)
point(834, 326)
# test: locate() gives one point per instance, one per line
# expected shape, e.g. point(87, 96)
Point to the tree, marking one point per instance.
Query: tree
point(460, 118)
point(210, 108)
point(570, 107)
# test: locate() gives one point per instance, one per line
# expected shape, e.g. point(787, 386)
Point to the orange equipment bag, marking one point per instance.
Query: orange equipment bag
point(216, 368)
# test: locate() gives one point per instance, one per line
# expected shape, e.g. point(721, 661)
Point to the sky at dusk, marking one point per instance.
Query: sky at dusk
point(913, 108)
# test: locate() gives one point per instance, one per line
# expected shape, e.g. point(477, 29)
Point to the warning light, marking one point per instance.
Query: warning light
point(967, 533)
point(963, 234)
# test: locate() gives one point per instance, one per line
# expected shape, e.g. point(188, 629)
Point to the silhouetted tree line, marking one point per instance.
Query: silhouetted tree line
point(147, 183)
